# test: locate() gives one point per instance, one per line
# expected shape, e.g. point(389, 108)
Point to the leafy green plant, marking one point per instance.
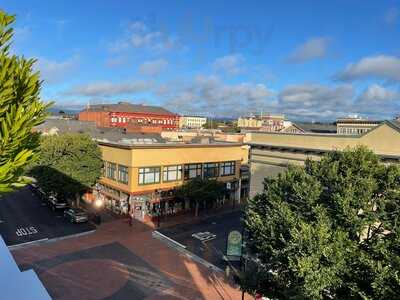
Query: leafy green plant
point(68, 165)
point(329, 230)
point(20, 110)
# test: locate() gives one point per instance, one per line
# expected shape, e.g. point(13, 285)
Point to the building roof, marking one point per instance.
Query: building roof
point(131, 108)
point(317, 127)
point(116, 135)
point(171, 145)
point(357, 121)
point(15, 284)
point(382, 140)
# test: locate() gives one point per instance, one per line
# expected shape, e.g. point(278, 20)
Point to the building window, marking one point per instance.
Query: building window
point(149, 175)
point(210, 170)
point(227, 168)
point(192, 171)
point(172, 173)
point(110, 170)
point(123, 174)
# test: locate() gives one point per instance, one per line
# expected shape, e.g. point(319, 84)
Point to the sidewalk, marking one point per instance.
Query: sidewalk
point(189, 217)
point(122, 262)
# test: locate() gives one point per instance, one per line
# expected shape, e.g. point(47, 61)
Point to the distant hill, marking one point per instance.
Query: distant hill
point(55, 110)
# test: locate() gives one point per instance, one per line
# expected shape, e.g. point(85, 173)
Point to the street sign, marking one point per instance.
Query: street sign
point(234, 245)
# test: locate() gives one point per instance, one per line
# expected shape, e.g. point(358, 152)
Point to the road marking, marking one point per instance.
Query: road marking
point(23, 231)
point(204, 236)
point(27, 243)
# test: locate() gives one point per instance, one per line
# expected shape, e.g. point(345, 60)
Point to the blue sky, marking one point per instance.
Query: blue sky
point(312, 60)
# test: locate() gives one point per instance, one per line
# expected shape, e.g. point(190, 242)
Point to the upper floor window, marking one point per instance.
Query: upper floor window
point(123, 174)
point(210, 170)
point(172, 173)
point(111, 170)
point(227, 168)
point(192, 171)
point(149, 175)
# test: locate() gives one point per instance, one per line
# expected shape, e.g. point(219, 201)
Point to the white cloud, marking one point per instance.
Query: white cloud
point(139, 35)
point(153, 67)
point(107, 88)
point(378, 101)
point(376, 93)
point(392, 15)
point(315, 97)
point(314, 48)
point(230, 64)
point(210, 95)
point(52, 71)
point(382, 67)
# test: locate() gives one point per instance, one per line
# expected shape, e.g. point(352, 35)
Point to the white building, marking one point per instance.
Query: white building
point(192, 122)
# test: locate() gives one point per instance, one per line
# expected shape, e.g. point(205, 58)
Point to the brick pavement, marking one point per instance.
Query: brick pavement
point(121, 262)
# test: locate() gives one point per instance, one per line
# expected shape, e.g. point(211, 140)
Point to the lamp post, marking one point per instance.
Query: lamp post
point(98, 204)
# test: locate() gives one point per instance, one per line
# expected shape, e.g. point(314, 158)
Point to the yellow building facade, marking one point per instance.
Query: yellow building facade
point(271, 153)
point(141, 177)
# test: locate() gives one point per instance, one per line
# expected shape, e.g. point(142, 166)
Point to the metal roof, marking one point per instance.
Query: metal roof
point(131, 108)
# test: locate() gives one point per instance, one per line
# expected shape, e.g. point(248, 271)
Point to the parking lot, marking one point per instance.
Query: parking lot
point(214, 249)
point(25, 218)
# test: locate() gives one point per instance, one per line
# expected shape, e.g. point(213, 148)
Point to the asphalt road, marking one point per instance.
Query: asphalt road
point(25, 218)
point(214, 250)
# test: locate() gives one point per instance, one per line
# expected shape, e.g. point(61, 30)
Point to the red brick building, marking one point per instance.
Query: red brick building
point(125, 114)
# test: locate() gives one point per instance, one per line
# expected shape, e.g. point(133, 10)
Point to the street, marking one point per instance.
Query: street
point(212, 250)
point(25, 218)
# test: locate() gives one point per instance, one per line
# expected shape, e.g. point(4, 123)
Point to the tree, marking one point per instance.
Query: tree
point(20, 110)
point(329, 230)
point(68, 165)
point(201, 191)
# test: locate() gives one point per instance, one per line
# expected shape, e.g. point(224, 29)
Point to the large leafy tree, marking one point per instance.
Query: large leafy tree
point(68, 165)
point(329, 230)
point(20, 110)
point(201, 192)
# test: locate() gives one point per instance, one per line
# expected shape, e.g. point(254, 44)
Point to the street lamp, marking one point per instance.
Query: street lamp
point(98, 204)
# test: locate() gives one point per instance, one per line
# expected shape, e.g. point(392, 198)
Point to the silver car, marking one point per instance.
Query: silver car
point(76, 215)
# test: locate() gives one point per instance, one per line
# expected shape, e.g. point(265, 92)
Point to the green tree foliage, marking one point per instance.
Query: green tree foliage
point(329, 230)
point(201, 191)
point(68, 164)
point(20, 110)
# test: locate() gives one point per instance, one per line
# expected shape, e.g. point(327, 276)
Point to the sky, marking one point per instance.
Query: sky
point(310, 60)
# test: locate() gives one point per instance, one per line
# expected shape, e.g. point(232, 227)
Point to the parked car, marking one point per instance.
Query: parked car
point(76, 215)
point(37, 191)
point(56, 203)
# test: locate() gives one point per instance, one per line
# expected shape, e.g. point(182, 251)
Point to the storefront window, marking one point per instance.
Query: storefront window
point(192, 171)
point(172, 173)
point(149, 175)
point(123, 174)
point(210, 170)
point(227, 168)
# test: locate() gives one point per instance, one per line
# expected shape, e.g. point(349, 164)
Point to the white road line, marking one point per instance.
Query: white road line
point(27, 243)
point(169, 239)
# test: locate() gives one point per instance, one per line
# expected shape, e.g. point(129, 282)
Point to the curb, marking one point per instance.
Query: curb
point(47, 240)
point(182, 249)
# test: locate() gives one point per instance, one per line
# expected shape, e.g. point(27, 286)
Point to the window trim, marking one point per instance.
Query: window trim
point(179, 170)
point(199, 174)
point(149, 167)
point(108, 167)
point(215, 168)
point(222, 167)
point(127, 174)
